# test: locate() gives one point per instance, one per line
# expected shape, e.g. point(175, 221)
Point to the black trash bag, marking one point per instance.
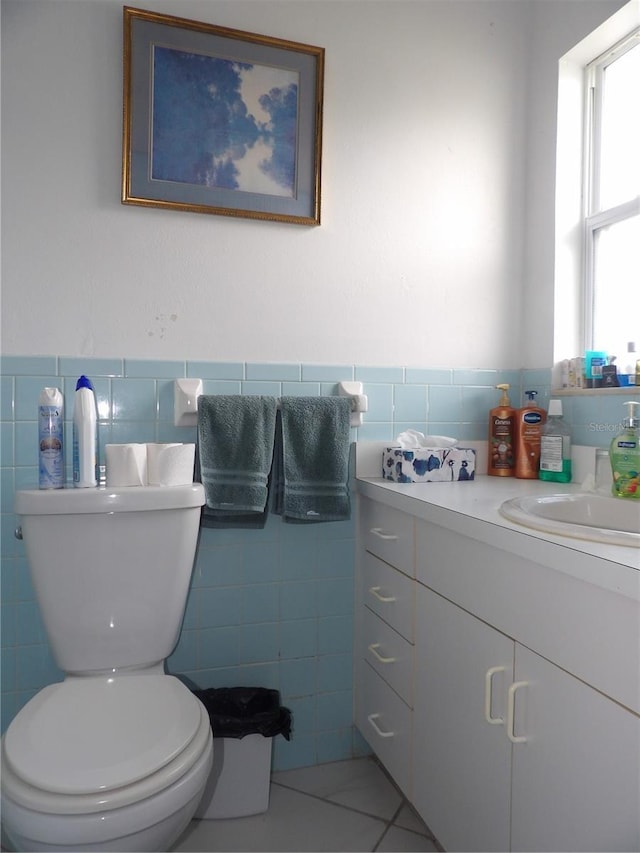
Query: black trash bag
point(239, 711)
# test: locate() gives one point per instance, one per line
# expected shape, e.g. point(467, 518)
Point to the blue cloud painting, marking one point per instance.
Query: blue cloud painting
point(223, 124)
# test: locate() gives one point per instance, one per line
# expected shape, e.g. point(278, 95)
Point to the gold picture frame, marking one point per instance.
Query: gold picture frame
point(220, 121)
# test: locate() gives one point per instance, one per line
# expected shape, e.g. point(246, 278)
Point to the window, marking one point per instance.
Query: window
point(612, 198)
point(597, 222)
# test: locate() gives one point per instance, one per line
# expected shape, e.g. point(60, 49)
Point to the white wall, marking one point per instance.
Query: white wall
point(435, 247)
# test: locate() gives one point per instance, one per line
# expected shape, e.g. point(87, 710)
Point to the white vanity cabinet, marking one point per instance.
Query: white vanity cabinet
point(384, 647)
point(524, 710)
point(570, 779)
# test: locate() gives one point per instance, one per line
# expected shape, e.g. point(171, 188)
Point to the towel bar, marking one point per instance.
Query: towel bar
point(187, 391)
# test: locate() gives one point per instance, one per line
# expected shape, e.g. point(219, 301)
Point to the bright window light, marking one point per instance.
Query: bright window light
point(620, 131)
point(612, 199)
point(616, 309)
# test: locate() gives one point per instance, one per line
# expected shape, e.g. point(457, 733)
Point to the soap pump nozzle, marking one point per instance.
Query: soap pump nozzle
point(531, 396)
point(632, 421)
point(504, 400)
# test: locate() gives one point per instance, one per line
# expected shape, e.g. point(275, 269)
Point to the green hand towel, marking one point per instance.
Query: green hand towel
point(235, 452)
point(312, 459)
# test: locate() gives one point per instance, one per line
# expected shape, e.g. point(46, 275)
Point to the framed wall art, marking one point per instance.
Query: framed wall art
point(217, 120)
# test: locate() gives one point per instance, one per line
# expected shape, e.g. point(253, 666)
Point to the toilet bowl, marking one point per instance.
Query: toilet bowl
point(115, 757)
point(105, 764)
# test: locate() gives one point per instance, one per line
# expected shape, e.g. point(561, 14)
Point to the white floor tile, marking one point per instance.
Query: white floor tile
point(408, 819)
point(358, 784)
point(294, 823)
point(399, 840)
point(339, 807)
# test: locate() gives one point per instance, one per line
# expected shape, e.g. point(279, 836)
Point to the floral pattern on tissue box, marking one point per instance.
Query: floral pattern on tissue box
point(428, 464)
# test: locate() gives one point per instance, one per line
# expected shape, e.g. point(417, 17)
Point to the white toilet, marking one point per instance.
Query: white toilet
point(116, 757)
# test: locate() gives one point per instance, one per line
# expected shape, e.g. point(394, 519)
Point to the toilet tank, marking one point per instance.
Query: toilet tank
point(111, 569)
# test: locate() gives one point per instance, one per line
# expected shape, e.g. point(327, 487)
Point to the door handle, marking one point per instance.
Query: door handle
point(372, 719)
point(488, 693)
point(377, 531)
point(511, 701)
point(373, 648)
point(375, 590)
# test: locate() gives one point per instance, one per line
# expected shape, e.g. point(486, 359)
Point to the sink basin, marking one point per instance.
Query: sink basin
point(585, 515)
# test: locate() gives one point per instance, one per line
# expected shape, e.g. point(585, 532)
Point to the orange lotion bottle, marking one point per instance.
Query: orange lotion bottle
point(501, 462)
point(529, 422)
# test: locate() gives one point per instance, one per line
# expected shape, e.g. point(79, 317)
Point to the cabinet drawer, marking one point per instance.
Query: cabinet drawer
point(390, 594)
point(389, 654)
point(388, 534)
point(385, 722)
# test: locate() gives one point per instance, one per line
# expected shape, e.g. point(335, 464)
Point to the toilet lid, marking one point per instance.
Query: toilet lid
point(88, 735)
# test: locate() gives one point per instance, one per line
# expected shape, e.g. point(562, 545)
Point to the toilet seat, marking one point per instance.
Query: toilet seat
point(93, 744)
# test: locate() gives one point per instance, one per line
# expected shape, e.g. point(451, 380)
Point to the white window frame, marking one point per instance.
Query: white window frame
point(595, 218)
point(573, 298)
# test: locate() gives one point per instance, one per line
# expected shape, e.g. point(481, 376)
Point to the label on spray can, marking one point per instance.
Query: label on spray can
point(50, 439)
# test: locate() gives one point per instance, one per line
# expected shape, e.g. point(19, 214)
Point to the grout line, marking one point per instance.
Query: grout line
point(420, 835)
point(330, 802)
point(376, 846)
point(394, 817)
point(391, 822)
point(428, 833)
point(397, 811)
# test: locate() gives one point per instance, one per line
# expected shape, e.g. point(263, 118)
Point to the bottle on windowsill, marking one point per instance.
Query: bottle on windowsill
point(627, 373)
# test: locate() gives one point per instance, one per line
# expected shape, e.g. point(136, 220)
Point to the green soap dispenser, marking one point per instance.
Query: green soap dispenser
point(625, 456)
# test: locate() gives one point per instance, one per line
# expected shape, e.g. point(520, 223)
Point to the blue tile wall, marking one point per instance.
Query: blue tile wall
point(270, 607)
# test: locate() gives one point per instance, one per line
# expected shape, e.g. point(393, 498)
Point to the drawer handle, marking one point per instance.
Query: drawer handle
point(377, 531)
point(488, 691)
point(375, 590)
point(372, 719)
point(373, 648)
point(510, 711)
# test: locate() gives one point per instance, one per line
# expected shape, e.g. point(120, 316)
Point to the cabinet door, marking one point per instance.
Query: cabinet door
point(462, 762)
point(576, 777)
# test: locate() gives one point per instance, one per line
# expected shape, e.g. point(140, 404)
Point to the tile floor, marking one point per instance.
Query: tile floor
point(343, 806)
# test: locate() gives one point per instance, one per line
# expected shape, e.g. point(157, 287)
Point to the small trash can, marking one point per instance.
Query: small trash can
point(244, 721)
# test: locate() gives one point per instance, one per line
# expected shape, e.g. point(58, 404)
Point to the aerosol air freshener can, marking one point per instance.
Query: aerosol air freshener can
point(51, 439)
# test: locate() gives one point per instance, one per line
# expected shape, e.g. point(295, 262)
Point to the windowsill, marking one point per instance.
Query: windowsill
point(594, 392)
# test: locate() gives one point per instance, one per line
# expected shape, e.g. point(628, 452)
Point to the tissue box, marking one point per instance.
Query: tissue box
point(428, 464)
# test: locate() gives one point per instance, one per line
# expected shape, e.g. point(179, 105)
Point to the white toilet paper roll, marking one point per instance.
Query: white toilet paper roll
point(126, 464)
point(154, 453)
point(170, 464)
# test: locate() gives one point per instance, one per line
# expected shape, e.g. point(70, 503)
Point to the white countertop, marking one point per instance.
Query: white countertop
point(471, 508)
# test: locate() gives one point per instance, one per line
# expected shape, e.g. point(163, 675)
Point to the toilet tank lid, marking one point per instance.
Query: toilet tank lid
point(71, 500)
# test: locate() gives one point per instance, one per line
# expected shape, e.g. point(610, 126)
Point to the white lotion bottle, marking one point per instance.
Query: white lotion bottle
point(629, 369)
point(85, 435)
